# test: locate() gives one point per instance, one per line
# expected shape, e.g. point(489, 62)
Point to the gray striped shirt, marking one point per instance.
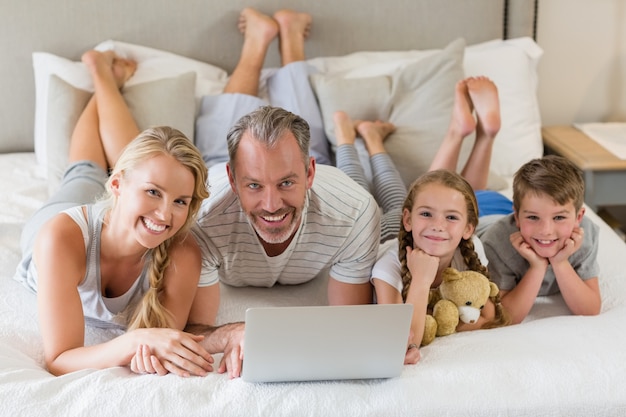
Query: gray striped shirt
point(339, 233)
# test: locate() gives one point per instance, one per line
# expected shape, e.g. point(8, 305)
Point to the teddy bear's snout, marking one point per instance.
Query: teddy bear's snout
point(468, 314)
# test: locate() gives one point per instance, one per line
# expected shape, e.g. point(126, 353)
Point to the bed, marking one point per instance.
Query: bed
point(551, 364)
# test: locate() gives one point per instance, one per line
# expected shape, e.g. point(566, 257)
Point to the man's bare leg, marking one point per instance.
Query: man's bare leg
point(462, 124)
point(259, 30)
point(484, 95)
point(106, 125)
point(294, 29)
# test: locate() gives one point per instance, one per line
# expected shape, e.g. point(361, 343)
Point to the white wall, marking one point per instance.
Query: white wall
point(582, 74)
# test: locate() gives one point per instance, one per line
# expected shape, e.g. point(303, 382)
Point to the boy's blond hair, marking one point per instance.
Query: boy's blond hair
point(552, 176)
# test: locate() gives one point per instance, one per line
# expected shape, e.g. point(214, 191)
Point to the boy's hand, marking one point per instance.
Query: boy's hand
point(526, 251)
point(571, 245)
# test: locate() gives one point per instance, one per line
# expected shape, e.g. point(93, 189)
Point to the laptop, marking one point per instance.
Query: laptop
point(325, 342)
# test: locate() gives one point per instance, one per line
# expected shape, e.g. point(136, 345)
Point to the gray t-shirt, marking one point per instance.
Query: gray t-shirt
point(507, 266)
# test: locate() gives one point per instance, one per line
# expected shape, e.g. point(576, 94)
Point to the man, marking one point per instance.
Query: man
point(274, 215)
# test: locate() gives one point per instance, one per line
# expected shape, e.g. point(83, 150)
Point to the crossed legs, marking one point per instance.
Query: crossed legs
point(388, 188)
point(106, 125)
point(259, 31)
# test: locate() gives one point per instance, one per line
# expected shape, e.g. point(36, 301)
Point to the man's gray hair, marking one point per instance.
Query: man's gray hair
point(267, 125)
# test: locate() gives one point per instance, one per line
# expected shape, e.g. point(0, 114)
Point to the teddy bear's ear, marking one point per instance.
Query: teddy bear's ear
point(450, 274)
point(494, 290)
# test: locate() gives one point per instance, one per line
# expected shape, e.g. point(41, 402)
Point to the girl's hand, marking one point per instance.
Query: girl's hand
point(412, 354)
point(423, 267)
point(170, 350)
point(526, 251)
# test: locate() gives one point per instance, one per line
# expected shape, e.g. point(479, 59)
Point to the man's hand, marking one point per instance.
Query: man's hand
point(226, 339)
point(233, 351)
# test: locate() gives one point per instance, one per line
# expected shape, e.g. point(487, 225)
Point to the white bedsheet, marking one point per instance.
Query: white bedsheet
point(552, 364)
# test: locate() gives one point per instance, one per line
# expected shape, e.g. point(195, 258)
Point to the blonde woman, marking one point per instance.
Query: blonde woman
point(127, 260)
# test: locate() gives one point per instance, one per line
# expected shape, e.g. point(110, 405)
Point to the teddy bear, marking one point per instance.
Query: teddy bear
point(460, 296)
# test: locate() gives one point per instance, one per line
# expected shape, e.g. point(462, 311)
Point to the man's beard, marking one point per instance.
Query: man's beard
point(275, 235)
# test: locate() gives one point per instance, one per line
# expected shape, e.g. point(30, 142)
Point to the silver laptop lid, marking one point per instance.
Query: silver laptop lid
point(325, 342)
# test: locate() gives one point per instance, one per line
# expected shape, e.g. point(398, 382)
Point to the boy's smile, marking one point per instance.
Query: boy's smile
point(546, 225)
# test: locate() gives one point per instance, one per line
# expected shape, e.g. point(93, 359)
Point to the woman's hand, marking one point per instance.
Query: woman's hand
point(168, 350)
point(144, 362)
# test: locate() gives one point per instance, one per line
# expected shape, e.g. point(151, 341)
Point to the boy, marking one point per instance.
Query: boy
point(553, 246)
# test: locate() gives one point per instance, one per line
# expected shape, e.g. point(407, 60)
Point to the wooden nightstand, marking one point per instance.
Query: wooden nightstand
point(605, 173)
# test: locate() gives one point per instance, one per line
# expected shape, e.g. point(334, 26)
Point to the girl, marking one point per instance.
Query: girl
point(127, 261)
point(474, 94)
point(437, 219)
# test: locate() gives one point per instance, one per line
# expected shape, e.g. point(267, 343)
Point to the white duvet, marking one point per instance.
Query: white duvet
point(552, 364)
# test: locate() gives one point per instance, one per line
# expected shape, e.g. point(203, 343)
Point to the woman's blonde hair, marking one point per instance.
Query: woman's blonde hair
point(454, 181)
point(152, 142)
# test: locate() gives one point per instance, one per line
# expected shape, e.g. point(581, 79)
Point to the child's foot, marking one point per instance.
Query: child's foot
point(345, 133)
point(374, 134)
point(484, 95)
point(293, 23)
point(462, 123)
point(256, 25)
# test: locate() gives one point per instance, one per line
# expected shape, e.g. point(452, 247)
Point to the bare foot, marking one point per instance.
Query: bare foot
point(256, 25)
point(462, 122)
point(294, 29)
point(484, 95)
point(374, 134)
point(107, 61)
point(345, 132)
point(293, 23)
point(123, 69)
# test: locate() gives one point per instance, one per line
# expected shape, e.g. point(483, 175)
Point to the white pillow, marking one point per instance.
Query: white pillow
point(417, 98)
point(511, 64)
point(153, 64)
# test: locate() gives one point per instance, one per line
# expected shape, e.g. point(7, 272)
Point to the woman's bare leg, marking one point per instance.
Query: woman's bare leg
point(106, 125)
point(259, 30)
point(484, 95)
point(294, 29)
point(85, 143)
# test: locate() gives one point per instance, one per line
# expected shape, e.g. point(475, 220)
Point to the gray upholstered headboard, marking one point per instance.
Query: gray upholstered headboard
point(206, 30)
